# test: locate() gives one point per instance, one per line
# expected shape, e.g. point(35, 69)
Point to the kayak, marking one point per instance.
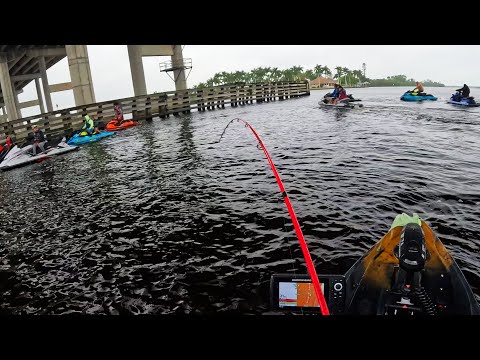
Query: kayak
point(413, 96)
point(407, 272)
point(80, 140)
point(18, 157)
point(112, 125)
point(455, 99)
point(341, 104)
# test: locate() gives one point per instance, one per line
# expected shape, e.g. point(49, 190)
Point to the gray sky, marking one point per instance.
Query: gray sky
point(449, 64)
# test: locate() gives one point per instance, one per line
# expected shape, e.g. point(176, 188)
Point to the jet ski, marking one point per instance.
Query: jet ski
point(18, 157)
point(4, 150)
point(415, 96)
point(79, 139)
point(457, 99)
point(407, 272)
point(349, 97)
point(345, 103)
point(112, 125)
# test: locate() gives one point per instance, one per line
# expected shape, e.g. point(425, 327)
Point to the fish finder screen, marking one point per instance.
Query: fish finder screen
point(297, 294)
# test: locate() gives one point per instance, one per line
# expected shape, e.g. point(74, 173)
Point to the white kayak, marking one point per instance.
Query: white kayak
point(17, 157)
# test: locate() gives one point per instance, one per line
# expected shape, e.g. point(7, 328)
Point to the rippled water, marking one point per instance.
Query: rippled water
point(163, 219)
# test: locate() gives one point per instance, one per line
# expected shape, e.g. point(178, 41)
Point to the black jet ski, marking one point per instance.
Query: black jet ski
point(407, 272)
point(349, 97)
point(345, 104)
point(457, 99)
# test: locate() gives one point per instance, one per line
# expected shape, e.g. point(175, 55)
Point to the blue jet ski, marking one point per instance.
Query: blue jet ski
point(457, 99)
point(414, 96)
point(80, 140)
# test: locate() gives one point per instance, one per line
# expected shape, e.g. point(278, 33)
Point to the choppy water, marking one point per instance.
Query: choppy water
point(162, 219)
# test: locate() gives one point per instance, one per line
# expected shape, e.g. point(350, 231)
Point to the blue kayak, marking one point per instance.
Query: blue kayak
point(409, 96)
point(80, 140)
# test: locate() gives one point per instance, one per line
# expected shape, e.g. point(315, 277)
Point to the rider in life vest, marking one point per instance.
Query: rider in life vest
point(342, 94)
point(88, 126)
point(117, 107)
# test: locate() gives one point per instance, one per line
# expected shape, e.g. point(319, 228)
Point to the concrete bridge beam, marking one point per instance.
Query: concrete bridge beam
point(136, 68)
point(17, 106)
point(178, 75)
point(39, 96)
point(46, 87)
point(80, 74)
point(7, 90)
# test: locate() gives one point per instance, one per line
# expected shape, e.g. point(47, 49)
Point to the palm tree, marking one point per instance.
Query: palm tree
point(338, 74)
point(345, 72)
point(309, 74)
point(318, 70)
point(326, 71)
point(256, 74)
point(288, 75)
point(297, 71)
point(275, 74)
point(358, 75)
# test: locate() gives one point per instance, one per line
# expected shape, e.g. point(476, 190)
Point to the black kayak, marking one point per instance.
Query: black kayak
point(407, 272)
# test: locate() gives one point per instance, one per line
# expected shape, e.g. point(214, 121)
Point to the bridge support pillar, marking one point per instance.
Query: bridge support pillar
point(136, 68)
point(17, 105)
point(7, 90)
point(80, 74)
point(39, 95)
point(178, 75)
point(46, 87)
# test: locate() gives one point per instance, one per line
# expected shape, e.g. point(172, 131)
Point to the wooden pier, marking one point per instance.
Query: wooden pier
point(146, 107)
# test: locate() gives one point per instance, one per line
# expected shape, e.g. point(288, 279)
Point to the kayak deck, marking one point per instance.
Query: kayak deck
point(370, 283)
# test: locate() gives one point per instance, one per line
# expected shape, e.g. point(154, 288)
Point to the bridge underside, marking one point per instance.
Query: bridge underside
point(23, 63)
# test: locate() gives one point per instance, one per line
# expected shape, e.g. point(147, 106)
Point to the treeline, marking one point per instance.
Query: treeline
point(401, 80)
point(344, 76)
point(295, 73)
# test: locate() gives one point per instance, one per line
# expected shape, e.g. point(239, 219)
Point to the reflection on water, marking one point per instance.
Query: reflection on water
point(162, 218)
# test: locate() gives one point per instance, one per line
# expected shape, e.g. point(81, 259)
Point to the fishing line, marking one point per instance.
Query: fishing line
point(303, 245)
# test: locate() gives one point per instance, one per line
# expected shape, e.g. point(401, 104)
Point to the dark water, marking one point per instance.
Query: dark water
point(162, 219)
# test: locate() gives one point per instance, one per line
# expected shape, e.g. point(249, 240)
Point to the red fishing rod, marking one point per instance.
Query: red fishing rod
point(306, 254)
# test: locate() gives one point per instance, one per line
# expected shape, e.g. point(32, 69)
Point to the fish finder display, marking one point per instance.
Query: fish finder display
point(297, 294)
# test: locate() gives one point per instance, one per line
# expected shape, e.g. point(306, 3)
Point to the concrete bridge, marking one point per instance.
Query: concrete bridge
point(22, 64)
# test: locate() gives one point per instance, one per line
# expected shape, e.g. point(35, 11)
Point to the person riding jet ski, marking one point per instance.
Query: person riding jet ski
point(88, 127)
point(464, 91)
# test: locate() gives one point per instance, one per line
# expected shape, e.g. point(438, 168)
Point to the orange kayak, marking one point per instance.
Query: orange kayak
point(112, 125)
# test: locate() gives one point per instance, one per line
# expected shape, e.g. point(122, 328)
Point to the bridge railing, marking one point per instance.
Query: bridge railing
point(63, 121)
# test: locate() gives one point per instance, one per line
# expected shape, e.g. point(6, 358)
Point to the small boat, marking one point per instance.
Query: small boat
point(414, 96)
point(18, 157)
point(407, 272)
point(78, 139)
point(112, 125)
point(457, 99)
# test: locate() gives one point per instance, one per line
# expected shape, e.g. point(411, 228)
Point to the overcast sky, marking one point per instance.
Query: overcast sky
point(449, 64)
